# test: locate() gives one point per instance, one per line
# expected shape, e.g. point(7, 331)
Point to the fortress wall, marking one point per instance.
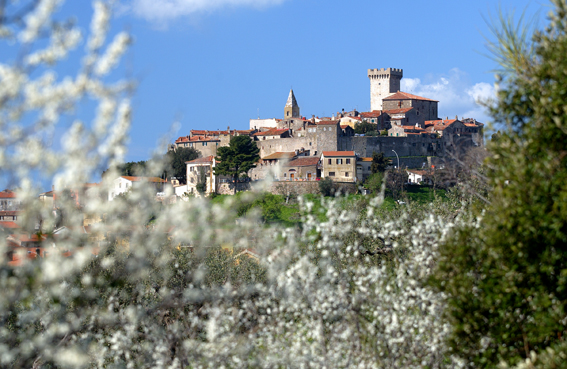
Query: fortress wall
point(268, 147)
point(404, 146)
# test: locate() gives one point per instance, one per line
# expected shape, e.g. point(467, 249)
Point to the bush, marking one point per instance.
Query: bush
point(327, 187)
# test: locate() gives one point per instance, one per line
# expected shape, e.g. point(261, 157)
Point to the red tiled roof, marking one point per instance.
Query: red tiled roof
point(271, 132)
point(4, 224)
point(144, 179)
point(364, 159)
point(196, 139)
point(279, 155)
point(328, 122)
point(371, 114)
point(413, 128)
point(305, 161)
point(7, 194)
point(446, 122)
point(344, 126)
point(405, 96)
point(397, 111)
point(206, 159)
point(26, 238)
point(338, 153)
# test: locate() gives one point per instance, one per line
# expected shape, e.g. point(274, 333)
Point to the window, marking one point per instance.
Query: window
point(191, 144)
point(331, 174)
point(204, 144)
point(346, 174)
point(339, 161)
point(348, 161)
point(330, 161)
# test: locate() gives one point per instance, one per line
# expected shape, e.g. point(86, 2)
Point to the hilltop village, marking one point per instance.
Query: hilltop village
point(295, 153)
point(408, 128)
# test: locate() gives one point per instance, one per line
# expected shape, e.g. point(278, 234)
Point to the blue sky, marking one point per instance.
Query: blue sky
point(215, 63)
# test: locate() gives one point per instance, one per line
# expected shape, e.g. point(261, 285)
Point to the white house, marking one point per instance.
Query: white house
point(123, 184)
point(197, 170)
point(417, 176)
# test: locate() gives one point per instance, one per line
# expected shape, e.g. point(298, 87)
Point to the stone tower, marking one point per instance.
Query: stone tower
point(383, 83)
point(291, 109)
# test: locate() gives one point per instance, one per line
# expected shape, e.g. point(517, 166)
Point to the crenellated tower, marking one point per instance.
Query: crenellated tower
point(291, 109)
point(383, 83)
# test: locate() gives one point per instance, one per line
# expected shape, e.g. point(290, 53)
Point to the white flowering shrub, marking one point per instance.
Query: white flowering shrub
point(153, 286)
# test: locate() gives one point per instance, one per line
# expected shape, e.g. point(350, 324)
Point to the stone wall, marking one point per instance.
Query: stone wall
point(413, 145)
point(228, 188)
point(303, 188)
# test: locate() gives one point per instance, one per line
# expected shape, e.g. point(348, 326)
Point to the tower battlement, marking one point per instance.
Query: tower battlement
point(385, 72)
point(383, 83)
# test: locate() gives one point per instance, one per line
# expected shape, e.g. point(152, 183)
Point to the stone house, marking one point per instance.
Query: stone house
point(340, 166)
point(403, 117)
point(404, 131)
point(271, 134)
point(301, 169)
point(206, 145)
point(425, 108)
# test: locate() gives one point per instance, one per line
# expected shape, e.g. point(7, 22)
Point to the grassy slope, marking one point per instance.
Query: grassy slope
point(275, 210)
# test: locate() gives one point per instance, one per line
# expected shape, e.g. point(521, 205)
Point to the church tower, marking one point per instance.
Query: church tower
point(291, 109)
point(383, 83)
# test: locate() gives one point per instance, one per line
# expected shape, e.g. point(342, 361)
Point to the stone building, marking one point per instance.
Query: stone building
point(415, 130)
point(302, 168)
point(199, 169)
point(383, 83)
point(340, 166)
point(423, 108)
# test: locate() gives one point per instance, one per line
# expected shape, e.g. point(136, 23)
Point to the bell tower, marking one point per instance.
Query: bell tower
point(291, 109)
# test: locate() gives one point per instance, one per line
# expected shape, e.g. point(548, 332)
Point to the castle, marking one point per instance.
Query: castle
point(411, 122)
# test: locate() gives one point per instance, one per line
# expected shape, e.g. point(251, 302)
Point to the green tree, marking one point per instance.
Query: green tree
point(506, 277)
point(131, 168)
point(201, 185)
point(237, 158)
point(327, 186)
point(177, 159)
point(379, 163)
point(365, 128)
point(374, 182)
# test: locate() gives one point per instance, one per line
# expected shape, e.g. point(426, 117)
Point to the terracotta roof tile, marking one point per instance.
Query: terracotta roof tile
point(338, 153)
point(7, 194)
point(279, 155)
point(5, 224)
point(397, 111)
point(206, 159)
point(405, 96)
point(271, 132)
point(328, 122)
point(305, 161)
point(371, 114)
point(144, 179)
